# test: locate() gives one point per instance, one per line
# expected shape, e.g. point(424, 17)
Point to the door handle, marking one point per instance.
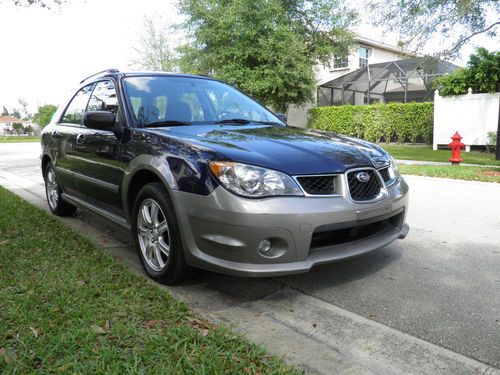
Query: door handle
point(55, 135)
point(80, 139)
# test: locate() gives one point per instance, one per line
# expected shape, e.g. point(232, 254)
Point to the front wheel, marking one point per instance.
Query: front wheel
point(157, 235)
point(53, 191)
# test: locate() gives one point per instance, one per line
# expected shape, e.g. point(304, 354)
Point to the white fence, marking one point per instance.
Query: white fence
point(472, 115)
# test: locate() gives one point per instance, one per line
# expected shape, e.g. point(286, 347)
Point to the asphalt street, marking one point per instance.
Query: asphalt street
point(441, 284)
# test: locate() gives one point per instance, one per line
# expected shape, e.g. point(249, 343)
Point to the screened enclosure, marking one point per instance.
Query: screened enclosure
point(401, 81)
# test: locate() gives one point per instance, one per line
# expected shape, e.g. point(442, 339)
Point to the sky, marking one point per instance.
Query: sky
point(46, 53)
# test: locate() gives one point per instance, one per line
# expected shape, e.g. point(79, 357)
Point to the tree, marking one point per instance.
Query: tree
point(481, 75)
point(268, 48)
point(29, 129)
point(5, 111)
point(24, 108)
point(41, 3)
point(18, 127)
point(455, 22)
point(44, 114)
point(15, 112)
point(155, 51)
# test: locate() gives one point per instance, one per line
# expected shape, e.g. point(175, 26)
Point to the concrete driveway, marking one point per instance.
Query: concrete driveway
point(429, 304)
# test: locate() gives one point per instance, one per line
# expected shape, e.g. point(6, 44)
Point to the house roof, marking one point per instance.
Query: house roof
point(5, 119)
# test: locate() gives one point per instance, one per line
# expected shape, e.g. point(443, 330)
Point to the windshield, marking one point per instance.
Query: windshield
point(171, 100)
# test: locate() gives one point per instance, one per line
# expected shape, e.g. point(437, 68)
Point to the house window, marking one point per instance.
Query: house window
point(364, 53)
point(340, 61)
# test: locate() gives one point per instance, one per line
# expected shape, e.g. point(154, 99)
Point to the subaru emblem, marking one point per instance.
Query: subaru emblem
point(363, 177)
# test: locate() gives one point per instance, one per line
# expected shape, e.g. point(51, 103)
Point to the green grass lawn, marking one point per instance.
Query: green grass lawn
point(425, 153)
point(458, 172)
point(67, 306)
point(4, 139)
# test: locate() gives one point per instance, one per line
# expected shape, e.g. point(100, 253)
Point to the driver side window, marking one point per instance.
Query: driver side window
point(104, 98)
point(76, 108)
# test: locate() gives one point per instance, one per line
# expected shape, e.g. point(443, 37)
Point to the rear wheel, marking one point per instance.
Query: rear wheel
point(157, 235)
point(53, 191)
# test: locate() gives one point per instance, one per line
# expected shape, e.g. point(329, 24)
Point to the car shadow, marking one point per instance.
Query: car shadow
point(343, 272)
point(212, 291)
point(238, 290)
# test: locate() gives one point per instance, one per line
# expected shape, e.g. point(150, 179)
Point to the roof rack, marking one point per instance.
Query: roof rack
point(112, 70)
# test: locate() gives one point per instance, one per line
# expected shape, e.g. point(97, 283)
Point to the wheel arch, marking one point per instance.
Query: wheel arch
point(46, 159)
point(138, 179)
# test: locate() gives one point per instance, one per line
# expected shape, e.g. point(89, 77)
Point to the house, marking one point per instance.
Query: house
point(365, 51)
point(6, 123)
point(6, 127)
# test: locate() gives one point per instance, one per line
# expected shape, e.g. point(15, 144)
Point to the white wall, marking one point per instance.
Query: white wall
point(472, 115)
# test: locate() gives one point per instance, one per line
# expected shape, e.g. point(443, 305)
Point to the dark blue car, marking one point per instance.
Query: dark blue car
point(206, 177)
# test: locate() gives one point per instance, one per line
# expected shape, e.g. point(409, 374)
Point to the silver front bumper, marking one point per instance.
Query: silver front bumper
point(221, 231)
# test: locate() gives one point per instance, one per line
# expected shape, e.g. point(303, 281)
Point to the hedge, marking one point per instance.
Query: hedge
point(400, 122)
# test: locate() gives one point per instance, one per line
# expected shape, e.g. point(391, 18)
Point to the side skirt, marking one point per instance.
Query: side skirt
point(120, 220)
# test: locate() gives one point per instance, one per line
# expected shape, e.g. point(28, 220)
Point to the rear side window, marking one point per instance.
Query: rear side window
point(104, 98)
point(76, 108)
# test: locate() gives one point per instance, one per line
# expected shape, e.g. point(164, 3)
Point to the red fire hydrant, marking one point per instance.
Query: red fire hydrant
point(456, 146)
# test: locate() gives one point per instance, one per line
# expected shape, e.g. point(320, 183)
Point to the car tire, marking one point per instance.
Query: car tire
point(157, 236)
point(53, 192)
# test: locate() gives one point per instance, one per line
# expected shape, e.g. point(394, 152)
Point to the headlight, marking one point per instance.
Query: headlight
point(394, 170)
point(253, 182)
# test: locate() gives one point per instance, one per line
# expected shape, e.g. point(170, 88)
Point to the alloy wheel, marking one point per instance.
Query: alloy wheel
point(52, 189)
point(153, 234)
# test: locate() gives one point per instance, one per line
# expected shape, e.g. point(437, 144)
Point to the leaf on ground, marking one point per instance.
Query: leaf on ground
point(9, 334)
point(101, 330)
point(65, 367)
point(200, 325)
point(81, 282)
point(155, 323)
point(4, 242)
point(35, 331)
point(3, 351)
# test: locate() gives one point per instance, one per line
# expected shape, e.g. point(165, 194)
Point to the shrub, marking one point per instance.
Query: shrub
point(391, 122)
point(481, 75)
point(492, 141)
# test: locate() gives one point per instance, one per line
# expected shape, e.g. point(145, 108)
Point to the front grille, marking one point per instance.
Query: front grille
point(363, 191)
point(318, 185)
point(384, 172)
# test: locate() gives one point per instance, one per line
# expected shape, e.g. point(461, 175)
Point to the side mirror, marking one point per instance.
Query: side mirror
point(281, 116)
point(101, 120)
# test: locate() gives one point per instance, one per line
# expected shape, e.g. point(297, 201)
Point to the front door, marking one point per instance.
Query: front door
point(68, 127)
point(100, 172)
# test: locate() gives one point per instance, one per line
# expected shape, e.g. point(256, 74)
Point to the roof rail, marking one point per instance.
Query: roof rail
point(112, 70)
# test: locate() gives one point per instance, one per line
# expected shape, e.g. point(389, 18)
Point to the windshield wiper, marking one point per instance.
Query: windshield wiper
point(244, 121)
point(160, 124)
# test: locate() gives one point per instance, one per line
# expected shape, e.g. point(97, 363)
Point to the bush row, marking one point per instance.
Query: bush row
point(393, 122)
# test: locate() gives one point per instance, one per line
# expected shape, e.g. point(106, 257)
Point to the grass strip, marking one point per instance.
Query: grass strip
point(426, 153)
point(67, 306)
point(461, 172)
point(18, 139)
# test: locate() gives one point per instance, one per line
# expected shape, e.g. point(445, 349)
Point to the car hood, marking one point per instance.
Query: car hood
point(291, 150)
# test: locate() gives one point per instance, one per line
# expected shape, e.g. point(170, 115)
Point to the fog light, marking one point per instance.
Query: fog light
point(264, 246)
